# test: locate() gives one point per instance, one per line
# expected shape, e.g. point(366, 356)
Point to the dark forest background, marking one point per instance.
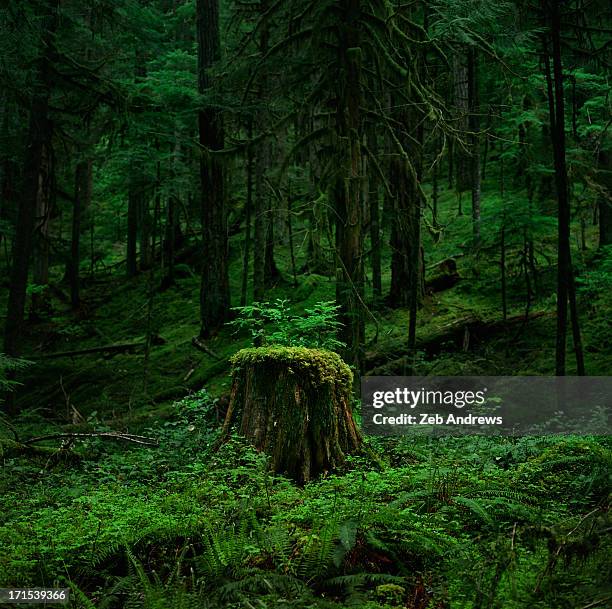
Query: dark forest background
point(422, 187)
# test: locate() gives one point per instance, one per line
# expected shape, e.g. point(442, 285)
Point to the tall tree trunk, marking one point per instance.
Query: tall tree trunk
point(435, 186)
point(474, 123)
point(214, 290)
point(40, 249)
point(374, 209)
point(271, 272)
point(316, 262)
point(6, 179)
point(261, 222)
point(146, 233)
point(348, 188)
point(248, 213)
point(38, 144)
point(400, 184)
point(265, 272)
point(604, 198)
point(565, 278)
point(81, 185)
point(172, 224)
point(462, 160)
point(169, 245)
point(132, 229)
point(406, 288)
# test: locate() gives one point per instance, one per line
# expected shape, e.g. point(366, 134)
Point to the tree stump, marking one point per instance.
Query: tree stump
point(293, 403)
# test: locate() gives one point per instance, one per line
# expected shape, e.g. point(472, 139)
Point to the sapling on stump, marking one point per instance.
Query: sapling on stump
point(293, 403)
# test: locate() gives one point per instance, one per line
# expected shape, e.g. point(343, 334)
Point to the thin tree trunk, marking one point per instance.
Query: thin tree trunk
point(80, 187)
point(451, 166)
point(264, 268)
point(374, 209)
point(502, 192)
point(271, 272)
point(247, 229)
point(474, 123)
point(214, 290)
point(435, 187)
point(461, 93)
point(565, 280)
point(132, 231)
point(7, 198)
point(169, 246)
point(146, 230)
point(260, 225)
point(291, 248)
point(40, 248)
point(604, 198)
point(502, 264)
point(150, 284)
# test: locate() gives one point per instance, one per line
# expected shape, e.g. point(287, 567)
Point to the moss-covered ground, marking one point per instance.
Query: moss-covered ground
point(454, 522)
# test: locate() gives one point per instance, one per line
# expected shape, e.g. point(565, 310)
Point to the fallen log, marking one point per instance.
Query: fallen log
point(444, 277)
point(110, 349)
point(460, 334)
point(112, 435)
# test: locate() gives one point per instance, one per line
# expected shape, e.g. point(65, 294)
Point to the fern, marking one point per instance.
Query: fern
point(318, 553)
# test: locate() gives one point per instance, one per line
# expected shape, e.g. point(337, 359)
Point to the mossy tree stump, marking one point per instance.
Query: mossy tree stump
point(293, 403)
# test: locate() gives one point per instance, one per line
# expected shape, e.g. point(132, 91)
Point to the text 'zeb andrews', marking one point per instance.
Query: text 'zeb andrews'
point(488, 405)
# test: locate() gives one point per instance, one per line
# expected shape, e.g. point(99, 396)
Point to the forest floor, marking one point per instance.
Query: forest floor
point(452, 522)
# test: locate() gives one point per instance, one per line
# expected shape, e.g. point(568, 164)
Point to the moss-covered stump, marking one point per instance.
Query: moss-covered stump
point(293, 403)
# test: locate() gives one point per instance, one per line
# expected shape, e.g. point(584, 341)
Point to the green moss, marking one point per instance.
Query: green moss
point(321, 366)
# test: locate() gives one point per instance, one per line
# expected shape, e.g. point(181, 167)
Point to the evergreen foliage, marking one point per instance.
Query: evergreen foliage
point(313, 162)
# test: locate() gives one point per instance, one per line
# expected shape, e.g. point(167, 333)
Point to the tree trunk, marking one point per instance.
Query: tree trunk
point(406, 263)
point(474, 123)
point(502, 265)
point(399, 182)
point(266, 273)
point(146, 232)
point(271, 272)
point(7, 171)
point(374, 209)
point(214, 290)
point(37, 150)
point(132, 230)
point(80, 187)
point(294, 404)
point(316, 261)
point(435, 187)
point(260, 228)
point(462, 159)
point(604, 198)
point(169, 246)
point(40, 249)
point(248, 213)
point(565, 278)
point(347, 191)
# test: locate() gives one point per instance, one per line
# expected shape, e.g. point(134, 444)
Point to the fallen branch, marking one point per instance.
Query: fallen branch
point(126, 437)
point(115, 348)
point(202, 346)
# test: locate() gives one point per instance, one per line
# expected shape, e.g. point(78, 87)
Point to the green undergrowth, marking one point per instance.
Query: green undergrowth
point(466, 523)
point(472, 519)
